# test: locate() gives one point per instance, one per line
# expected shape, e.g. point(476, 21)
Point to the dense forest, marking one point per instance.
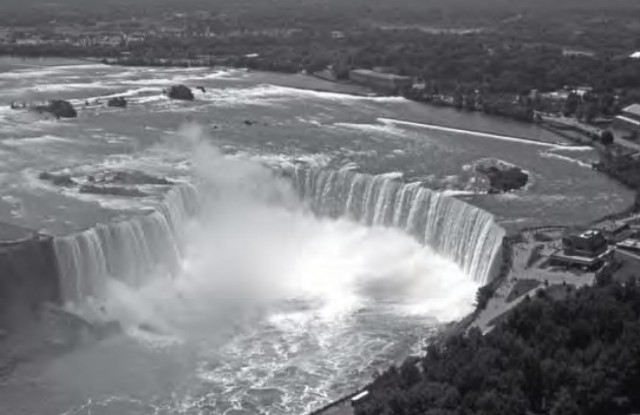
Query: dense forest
point(574, 356)
point(401, 10)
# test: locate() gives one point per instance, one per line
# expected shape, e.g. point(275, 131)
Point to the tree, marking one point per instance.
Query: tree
point(606, 137)
point(571, 104)
point(565, 404)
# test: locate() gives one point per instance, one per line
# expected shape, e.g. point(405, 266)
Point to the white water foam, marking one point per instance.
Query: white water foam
point(551, 155)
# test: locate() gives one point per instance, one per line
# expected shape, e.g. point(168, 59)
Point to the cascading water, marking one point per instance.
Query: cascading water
point(132, 250)
point(459, 231)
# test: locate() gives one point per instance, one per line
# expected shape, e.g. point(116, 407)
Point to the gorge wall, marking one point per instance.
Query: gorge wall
point(28, 278)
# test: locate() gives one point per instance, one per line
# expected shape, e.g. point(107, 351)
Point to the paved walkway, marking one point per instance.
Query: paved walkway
point(522, 269)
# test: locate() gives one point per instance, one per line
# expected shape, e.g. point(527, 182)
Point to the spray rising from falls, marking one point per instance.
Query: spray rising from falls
point(459, 231)
point(131, 251)
point(143, 248)
point(276, 294)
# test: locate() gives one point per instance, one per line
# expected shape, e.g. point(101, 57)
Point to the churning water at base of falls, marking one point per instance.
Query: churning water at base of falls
point(252, 302)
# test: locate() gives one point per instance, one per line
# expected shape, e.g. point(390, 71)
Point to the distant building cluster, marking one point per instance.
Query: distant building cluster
point(596, 248)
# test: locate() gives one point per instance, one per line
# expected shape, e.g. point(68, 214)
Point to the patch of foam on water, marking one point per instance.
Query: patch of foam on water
point(575, 148)
point(164, 81)
point(459, 193)
point(380, 129)
point(57, 87)
point(263, 95)
point(551, 155)
point(127, 93)
point(393, 175)
point(38, 71)
point(286, 161)
point(31, 141)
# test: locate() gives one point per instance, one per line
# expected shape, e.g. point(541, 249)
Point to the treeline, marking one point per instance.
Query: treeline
point(448, 62)
point(575, 356)
point(622, 166)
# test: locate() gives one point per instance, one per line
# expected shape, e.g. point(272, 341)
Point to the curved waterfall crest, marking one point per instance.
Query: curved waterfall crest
point(132, 250)
point(464, 233)
point(149, 246)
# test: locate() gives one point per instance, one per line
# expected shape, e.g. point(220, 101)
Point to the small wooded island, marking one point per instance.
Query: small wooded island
point(502, 176)
point(58, 108)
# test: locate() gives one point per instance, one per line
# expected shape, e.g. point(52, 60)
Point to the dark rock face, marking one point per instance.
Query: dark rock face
point(182, 92)
point(118, 102)
point(28, 279)
point(65, 331)
point(59, 109)
point(503, 177)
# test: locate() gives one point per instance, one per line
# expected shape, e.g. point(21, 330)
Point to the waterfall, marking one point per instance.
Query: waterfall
point(149, 245)
point(467, 235)
point(131, 250)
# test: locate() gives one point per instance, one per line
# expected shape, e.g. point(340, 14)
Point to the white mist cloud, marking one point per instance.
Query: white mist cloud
point(255, 250)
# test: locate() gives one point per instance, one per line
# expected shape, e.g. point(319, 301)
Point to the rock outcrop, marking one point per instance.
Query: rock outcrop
point(58, 108)
point(182, 92)
point(502, 176)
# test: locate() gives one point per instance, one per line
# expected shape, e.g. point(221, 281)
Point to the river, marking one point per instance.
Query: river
point(270, 308)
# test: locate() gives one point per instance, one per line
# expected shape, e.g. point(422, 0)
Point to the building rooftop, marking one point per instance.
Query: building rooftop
point(591, 233)
point(630, 243)
point(612, 226)
point(580, 259)
point(633, 109)
point(629, 120)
